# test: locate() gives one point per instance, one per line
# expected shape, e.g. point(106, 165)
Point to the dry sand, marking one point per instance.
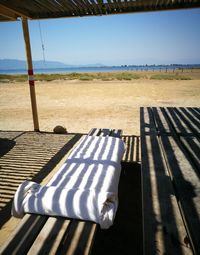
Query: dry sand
point(81, 105)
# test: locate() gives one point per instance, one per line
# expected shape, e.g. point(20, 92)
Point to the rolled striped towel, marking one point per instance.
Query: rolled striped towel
point(85, 187)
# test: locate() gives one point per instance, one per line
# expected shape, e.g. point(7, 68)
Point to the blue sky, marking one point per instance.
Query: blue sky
point(144, 38)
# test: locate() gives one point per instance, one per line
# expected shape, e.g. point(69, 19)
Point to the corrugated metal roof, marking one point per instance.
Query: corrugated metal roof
point(46, 9)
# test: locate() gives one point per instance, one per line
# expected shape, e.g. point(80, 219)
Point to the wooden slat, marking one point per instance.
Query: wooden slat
point(183, 122)
point(191, 116)
point(94, 132)
point(185, 179)
point(116, 133)
point(40, 7)
point(105, 132)
point(89, 7)
point(181, 128)
point(163, 227)
point(7, 13)
point(77, 8)
point(163, 128)
point(192, 145)
point(54, 5)
point(80, 238)
point(197, 109)
point(22, 238)
point(193, 112)
point(185, 130)
point(50, 237)
point(80, 5)
point(94, 7)
point(192, 123)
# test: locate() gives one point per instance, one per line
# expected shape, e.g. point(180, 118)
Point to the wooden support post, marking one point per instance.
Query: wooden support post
point(30, 73)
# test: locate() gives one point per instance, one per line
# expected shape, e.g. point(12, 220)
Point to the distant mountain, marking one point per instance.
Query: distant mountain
point(15, 64)
point(40, 64)
point(7, 64)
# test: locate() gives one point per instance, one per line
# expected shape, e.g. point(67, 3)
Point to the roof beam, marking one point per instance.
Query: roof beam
point(8, 13)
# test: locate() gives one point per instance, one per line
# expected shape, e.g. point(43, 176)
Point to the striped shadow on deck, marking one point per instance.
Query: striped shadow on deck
point(28, 156)
point(170, 149)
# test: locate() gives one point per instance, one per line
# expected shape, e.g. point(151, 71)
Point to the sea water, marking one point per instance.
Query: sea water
point(101, 69)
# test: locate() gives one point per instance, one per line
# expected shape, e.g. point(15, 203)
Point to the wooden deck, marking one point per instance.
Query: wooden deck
point(170, 155)
point(31, 155)
point(28, 156)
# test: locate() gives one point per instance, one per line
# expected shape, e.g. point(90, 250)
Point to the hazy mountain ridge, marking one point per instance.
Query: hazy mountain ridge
point(16, 64)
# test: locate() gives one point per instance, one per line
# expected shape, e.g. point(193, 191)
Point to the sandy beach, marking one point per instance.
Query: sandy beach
point(82, 105)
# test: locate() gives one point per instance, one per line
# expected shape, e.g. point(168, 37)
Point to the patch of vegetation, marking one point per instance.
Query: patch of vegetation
point(49, 77)
point(127, 76)
point(5, 78)
point(169, 77)
point(12, 78)
point(72, 76)
point(107, 78)
point(86, 78)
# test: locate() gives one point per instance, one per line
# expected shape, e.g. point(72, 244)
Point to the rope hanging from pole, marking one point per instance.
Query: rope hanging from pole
point(42, 42)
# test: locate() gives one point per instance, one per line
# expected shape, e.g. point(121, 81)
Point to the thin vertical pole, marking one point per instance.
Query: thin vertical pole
point(30, 73)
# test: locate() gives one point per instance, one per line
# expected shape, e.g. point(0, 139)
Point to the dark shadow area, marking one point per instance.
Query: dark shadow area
point(80, 230)
point(5, 146)
point(197, 109)
point(41, 158)
point(170, 126)
point(190, 117)
point(185, 121)
point(186, 132)
point(159, 217)
point(126, 233)
point(194, 112)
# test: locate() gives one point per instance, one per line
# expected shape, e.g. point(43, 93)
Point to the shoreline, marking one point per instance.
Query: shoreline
point(187, 74)
point(44, 68)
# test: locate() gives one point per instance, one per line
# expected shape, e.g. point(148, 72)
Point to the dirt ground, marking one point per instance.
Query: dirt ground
point(82, 105)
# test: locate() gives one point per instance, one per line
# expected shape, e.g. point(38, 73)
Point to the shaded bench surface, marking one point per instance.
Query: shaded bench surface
point(38, 234)
point(170, 156)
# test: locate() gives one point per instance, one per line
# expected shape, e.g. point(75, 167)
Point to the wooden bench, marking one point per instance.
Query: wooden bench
point(170, 156)
point(54, 235)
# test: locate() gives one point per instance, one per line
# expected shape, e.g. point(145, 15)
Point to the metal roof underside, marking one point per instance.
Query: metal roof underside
point(11, 10)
